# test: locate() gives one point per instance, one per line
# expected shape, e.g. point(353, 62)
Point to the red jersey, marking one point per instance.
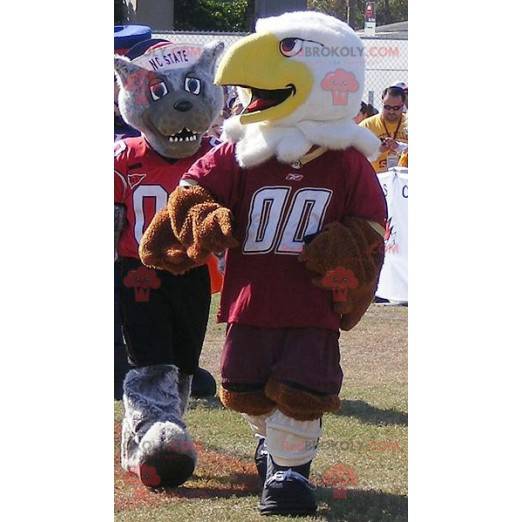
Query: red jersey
point(143, 181)
point(275, 206)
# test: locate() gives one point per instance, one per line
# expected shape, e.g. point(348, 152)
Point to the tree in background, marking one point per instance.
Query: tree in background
point(123, 12)
point(391, 11)
point(238, 15)
point(213, 15)
point(337, 8)
point(119, 12)
point(388, 11)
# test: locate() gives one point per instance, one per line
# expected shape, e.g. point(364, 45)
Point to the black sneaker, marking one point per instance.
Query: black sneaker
point(260, 458)
point(203, 384)
point(287, 491)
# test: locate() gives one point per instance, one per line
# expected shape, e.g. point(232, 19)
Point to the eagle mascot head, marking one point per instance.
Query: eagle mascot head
point(301, 80)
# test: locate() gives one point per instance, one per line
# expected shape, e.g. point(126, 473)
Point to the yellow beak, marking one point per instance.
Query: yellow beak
point(255, 61)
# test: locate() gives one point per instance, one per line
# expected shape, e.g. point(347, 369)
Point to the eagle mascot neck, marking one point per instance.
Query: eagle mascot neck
point(258, 142)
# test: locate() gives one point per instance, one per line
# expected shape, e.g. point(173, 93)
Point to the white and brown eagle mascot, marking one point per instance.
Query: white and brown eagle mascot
point(293, 200)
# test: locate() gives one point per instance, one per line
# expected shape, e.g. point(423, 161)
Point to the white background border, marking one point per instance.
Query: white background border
point(56, 338)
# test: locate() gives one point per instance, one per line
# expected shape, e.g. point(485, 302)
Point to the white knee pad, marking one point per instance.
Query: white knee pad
point(291, 442)
point(257, 423)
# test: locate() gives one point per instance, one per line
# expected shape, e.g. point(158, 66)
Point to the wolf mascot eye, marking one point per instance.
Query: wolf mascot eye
point(192, 85)
point(158, 90)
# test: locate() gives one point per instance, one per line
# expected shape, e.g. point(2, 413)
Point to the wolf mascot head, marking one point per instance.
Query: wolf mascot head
point(169, 95)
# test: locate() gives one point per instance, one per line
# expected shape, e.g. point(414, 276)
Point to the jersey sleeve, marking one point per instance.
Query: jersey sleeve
point(217, 172)
point(120, 171)
point(365, 196)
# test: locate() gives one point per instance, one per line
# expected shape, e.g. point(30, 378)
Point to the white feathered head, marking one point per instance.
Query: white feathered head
point(298, 66)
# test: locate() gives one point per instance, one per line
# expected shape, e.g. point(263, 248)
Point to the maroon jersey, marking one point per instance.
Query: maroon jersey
point(143, 181)
point(275, 207)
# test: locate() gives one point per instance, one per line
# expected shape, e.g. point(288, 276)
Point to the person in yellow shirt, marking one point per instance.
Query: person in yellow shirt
point(404, 87)
point(391, 126)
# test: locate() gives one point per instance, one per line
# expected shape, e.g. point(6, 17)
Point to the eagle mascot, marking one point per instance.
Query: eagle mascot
point(292, 199)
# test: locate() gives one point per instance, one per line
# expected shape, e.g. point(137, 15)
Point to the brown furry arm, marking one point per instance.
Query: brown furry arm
point(201, 224)
point(160, 249)
point(348, 258)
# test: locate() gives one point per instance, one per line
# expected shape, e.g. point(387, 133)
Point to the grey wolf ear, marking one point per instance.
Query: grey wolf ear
point(209, 56)
point(125, 70)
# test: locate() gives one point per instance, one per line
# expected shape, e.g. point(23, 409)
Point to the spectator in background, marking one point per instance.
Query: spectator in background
point(390, 127)
point(230, 100)
point(233, 106)
point(367, 110)
point(403, 161)
point(404, 87)
point(230, 96)
point(237, 107)
point(371, 110)
point(216, 128)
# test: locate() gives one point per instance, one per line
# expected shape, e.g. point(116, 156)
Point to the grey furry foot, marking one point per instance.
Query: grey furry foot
point(156, 445)
point(166, 456)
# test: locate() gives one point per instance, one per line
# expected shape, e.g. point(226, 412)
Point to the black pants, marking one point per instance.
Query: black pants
point(121, 364)
point(165, 324)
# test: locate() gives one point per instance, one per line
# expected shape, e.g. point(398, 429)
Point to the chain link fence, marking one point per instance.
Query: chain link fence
point(386, 59)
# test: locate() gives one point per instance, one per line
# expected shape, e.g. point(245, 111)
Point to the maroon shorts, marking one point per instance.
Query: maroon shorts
point(308, 357)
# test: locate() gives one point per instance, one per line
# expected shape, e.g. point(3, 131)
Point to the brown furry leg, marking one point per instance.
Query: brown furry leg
point(250, 402)
point(300, 404)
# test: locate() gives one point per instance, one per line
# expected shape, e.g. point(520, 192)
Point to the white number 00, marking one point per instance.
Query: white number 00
point(267, 228)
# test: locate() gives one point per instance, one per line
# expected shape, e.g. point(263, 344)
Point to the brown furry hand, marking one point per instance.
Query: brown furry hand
point(356, 305)
point(356, 308)
point(351, 245)
point(201, 224)
point(160, 249)
point(348, 258)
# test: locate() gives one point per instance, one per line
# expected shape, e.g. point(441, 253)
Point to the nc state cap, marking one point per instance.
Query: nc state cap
point(162, 55)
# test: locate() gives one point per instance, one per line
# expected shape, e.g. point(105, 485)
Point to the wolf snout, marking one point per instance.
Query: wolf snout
point(183, 106)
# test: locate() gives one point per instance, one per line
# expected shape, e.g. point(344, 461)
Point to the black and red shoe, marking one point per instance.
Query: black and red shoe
point(287, 491)
point(167, 471)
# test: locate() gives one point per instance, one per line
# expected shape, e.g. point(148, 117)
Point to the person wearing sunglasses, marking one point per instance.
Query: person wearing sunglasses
point(391, 127)
point(404, 87)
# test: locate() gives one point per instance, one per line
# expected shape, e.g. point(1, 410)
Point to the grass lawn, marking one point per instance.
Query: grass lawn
point(361, 468)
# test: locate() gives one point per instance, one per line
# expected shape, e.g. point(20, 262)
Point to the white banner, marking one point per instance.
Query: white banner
point(393, 284)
